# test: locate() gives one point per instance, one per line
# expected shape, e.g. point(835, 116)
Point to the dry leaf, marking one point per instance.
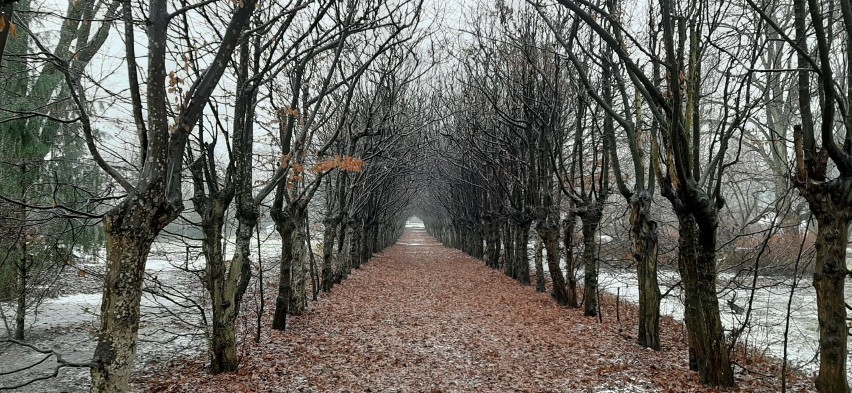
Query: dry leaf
point(421, 317)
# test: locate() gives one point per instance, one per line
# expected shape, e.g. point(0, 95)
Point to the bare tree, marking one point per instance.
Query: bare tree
point(153, 193)
point(388, 25)
point(823, 168)
point(693, 188)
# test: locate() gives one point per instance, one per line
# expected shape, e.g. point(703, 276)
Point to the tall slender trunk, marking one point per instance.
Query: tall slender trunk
point(285, 226)
point(550, 239)
point(643, 236)
point(568, 240)
point(522, 258)
point(367, 236)
point(509, 250)
point(539, 265)
point(375, 239)
point(21, 261)
point(495, 247)
point(343, 240)
point(21, 287)
point(298, 265)
point(355, 235)
point(591, 219)
point(329, 236)
point(829, 278)
point(476, 240)
point(492, 244)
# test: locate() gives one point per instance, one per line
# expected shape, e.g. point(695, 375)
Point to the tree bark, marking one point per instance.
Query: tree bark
point(539, 266)
point(492, 245)
point(829, 278)
point(22, 271)
point(591, 219)
point(509, 251)
point(329, 236)
point(550, 239)
point(212, 218)
point(522, 258)
point(367, 237)
point(227, 298)
point(568, 241)
point(477, 250)
point(697, 264)
point(355, 238)
point(298, 265)
point(285, 226)
point(643, 236)
point(130, 230)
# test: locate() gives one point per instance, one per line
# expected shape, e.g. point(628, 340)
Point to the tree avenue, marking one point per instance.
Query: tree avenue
point(704, 148)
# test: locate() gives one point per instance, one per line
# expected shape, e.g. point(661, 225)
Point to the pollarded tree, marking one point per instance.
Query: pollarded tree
point(386, 110)
point(823, 168)
point(693, 152)
point(260, 57)
point(154, 196)
point(545, 97)
point(358, 33)
point(643, 229)
point(269, 49)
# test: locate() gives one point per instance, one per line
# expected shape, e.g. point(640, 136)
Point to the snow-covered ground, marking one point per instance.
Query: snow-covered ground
point(170, 323)
point(67, 324)
point(767, 321)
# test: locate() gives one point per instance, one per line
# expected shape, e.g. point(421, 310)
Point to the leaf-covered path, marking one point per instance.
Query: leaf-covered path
point(421, 317)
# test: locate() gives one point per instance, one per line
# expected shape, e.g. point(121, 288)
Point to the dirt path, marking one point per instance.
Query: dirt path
point(422, 317)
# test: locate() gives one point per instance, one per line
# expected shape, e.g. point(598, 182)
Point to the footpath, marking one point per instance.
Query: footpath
point(420, 317)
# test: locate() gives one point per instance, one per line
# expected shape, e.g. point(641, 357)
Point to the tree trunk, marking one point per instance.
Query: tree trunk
point(550, 238)
point(497, 247)
point(522, 258)
point(375, 238)
point(355, 235)
point(591, 219)
point(22, 271)
point(829, 278)
point(130, 230)
point(509, 251)
point(329, 237)
point(298, 265)
point(227, 298)
point(643, 236)
point(212, 218)
point(568, 241)
point(539, 266)
point(492, 243)
point(476, 237)
point(342, 240)
point(697, 263)
point(285, 226)
point(366, 242)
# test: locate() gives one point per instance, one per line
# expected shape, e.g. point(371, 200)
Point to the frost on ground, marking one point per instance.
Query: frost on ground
point(67, 323)
point(422, 317)
point(764, 330)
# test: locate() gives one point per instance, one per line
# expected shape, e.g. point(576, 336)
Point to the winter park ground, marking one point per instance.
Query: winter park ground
point(420, 317)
